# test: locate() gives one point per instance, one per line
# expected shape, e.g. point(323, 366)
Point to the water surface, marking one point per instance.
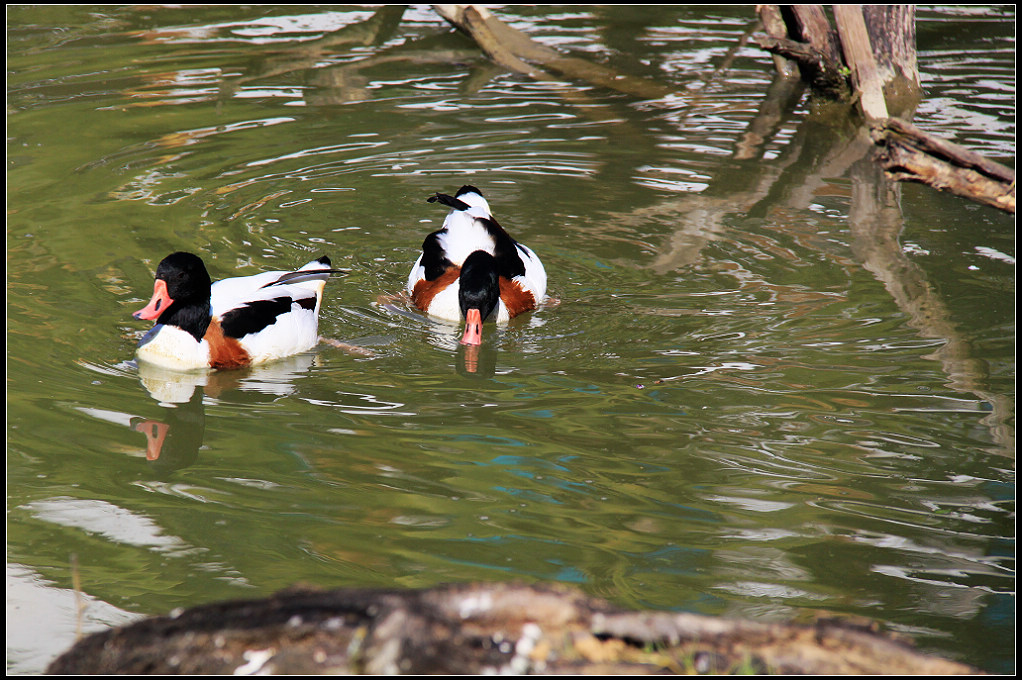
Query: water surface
point(772, 385)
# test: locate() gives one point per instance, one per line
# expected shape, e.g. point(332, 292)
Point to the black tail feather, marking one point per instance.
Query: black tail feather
point(305, 275)
point(449, 201)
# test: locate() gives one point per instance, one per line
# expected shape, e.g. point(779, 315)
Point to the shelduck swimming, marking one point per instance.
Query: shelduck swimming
point(234, 322)
point(472, 269)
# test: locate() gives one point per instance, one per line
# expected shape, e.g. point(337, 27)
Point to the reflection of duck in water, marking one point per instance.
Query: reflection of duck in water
point(173, 442)
point(234, 322)
point(472, 269)
point(174, 437)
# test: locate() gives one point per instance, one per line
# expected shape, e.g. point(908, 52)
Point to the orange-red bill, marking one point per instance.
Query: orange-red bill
point(160, 301)
point(473, 328)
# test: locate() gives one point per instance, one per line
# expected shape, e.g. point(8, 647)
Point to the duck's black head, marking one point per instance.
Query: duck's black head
point(181, 295)
point(479, 285)
point(186, 277)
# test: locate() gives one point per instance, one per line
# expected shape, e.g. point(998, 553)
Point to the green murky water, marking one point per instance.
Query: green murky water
point(773, 385)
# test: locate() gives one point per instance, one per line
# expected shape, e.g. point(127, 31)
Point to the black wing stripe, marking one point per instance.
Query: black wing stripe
point(505, 250)
point(434, 258)
point(258, 314)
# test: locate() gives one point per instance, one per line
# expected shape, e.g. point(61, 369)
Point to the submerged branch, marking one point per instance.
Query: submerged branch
point(518, 52)
point(909, 154)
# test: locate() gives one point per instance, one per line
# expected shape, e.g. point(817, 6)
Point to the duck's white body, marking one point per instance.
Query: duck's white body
point(239, 322)
point(170, 347)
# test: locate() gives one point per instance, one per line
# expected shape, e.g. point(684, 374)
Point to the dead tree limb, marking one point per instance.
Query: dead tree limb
point(479, 629)
point(773, 24)
point(856, 61)
point(803, 35)
point(480, 25)
point(909, 154)
point(892, 30)
point(517, 52)
point(858, 53)
point(811, 26)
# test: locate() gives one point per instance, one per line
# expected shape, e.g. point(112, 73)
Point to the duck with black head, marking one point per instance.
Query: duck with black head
point(472, 270)
point(234, 322)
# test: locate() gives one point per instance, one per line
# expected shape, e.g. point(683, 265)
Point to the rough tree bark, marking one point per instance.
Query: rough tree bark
point(478, 629)
point(909, 154)
point(858, 54)
point(871, 48)
point(803, 35)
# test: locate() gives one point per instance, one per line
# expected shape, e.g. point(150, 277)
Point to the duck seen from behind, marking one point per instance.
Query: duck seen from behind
point(234, 322)
point(472, 270)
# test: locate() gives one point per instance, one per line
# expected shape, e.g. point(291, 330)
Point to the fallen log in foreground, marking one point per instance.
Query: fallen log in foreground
point(908, 154)
point(478, 629)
